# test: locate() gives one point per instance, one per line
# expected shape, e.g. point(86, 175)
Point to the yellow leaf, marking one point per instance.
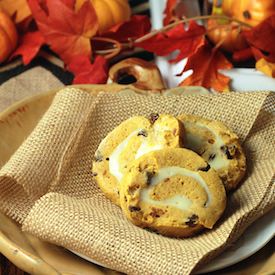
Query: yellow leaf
point(18, 7)
point(266, 67)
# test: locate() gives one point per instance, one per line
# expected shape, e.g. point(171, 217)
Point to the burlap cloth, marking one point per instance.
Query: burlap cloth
point(47, 185)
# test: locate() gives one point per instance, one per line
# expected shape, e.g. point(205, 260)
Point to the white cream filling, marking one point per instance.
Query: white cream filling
point(178, 201)
point(145, 147)
point(114, 165)
point(220, 161)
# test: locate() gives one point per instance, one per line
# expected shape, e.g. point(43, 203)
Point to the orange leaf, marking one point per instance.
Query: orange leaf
point(137, 26)
point(178, 38)
point(205, 64)
point(266, 67)
point(87, 73)
point(262, 39)
point(17, 8)
point(169, 11)
point(29, 46)
point(67, 32)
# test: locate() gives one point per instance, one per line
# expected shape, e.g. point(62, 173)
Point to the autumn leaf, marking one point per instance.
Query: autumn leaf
point(186, 41)
point(206, 63)
point(266, 67)
point(67, 32)
point(86, 72)
point(136, 27)
point(262, 39)
point(242, 55)
point(29, 46)
point(169, 11)
point(18, 8)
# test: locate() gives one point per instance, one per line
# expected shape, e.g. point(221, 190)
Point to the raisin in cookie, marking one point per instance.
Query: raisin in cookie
point(218, 145)
point(173, 192)
point(129, 141)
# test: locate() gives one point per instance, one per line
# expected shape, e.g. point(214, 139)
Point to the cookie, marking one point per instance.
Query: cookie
point(218, 145)
point(173, 192)
point(129, 141)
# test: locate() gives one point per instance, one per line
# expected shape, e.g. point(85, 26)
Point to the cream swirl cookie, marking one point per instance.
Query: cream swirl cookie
point(130, 140)
point(173, 192)
point(218, 145)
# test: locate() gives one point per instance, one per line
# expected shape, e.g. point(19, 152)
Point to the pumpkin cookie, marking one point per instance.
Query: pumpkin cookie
point(218, 145)
point(173, 192)
point(130, 140)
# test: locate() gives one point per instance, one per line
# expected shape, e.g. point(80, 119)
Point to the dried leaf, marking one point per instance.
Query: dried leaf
point(86, 72)
point(67, 32)
point(169, 11)
point(266, 67)
point(136, 27)
point(18, 8)
point(206, 63)
point(242, 55)
point(186, 41)
point(29, 46)
point(262, 39)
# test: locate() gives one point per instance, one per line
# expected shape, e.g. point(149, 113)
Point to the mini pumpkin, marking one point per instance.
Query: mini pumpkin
point(248, 11)
point(229, 35)
point(109, 12)
point(8, 36)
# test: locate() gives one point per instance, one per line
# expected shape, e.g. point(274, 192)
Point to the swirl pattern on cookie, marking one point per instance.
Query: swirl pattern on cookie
point(218, 145)
point(130, 140)
point(172, 191)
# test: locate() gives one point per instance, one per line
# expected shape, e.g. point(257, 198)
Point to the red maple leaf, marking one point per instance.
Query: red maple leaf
point(206, 63)
point(67, 32)
point(262, 39)
point(29, 46)
point(86, 72)
point(186, 41)
point(169, 11)
point(136, 27)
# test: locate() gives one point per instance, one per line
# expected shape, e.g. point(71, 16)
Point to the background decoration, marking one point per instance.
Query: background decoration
point(89, 36)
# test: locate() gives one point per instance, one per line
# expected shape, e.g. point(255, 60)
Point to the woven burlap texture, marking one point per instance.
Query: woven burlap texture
point(48, 186)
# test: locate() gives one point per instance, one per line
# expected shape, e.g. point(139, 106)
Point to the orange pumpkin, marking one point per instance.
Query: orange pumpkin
point(228, 33)
point(8, 36)
point(248, 11)
point(109, 12)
